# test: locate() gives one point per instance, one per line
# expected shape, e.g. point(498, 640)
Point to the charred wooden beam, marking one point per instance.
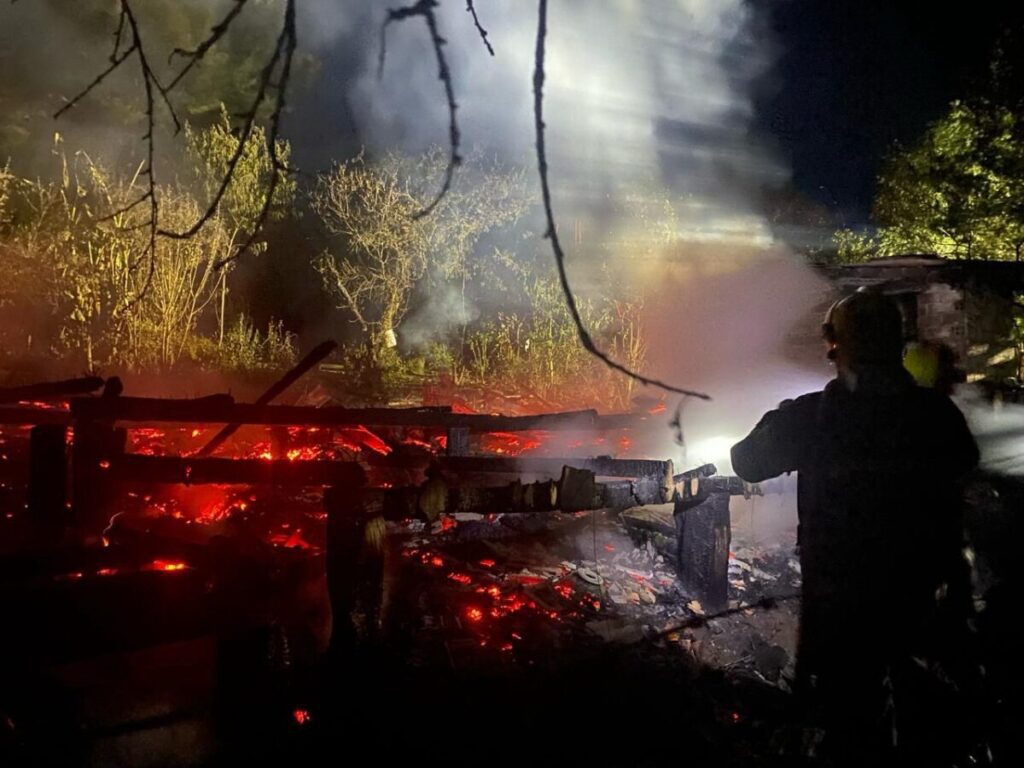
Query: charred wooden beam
point(317, 354)
point(457, 442)
point(602, 466)
point(222, 409)
point(196, 471)
point(51, 390)
point(47, 484)
point(354, 563)
point(152, 409)
point(695, 485)
point(95, 446)
point(703, 560)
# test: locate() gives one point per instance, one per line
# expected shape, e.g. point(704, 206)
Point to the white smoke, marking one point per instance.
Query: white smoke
point(636, 92)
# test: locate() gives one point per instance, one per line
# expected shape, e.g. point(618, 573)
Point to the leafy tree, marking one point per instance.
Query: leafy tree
point(958, 193)
point(373, 207)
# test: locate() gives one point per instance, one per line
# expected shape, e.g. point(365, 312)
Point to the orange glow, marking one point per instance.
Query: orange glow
point(301, 716)
point(165, 565)
point(512, 443)
point(461, 578)
point(487, 563)
point(659, 408)
point(475, 615)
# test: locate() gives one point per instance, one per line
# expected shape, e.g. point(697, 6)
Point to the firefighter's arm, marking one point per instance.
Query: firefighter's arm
point(772, 448)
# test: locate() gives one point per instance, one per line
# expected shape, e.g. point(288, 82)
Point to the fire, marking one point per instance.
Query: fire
point(512, 443)
point(475, 615)
point(166, 565)
point(301, 716)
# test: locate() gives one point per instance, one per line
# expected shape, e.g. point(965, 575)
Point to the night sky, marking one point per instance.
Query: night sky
point(855, 76)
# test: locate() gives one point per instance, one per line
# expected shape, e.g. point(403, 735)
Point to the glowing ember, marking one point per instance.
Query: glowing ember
point(301, 716)
point(291, 540)
point(461, 578)
point(165, 565)
point(475, 615)
point(487, 563)
point(512, 443)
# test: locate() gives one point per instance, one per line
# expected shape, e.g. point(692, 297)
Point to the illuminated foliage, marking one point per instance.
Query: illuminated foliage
point(386, 250)
point(74, 251)
point(958, 193)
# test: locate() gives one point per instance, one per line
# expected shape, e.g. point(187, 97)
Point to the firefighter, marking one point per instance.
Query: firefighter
point(880, 462)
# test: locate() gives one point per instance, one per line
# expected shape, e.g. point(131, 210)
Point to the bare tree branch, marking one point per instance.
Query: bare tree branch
point(552, 231)
point(288, 41)
point(281, 58)
point(425, 8)
point(216, 33)
point(276, 74)
point(479, 28)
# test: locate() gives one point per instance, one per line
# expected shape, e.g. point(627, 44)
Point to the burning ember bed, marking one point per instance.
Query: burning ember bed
point(505, 552)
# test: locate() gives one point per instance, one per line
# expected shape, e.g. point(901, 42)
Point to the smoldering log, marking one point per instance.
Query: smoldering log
point(50, 390)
